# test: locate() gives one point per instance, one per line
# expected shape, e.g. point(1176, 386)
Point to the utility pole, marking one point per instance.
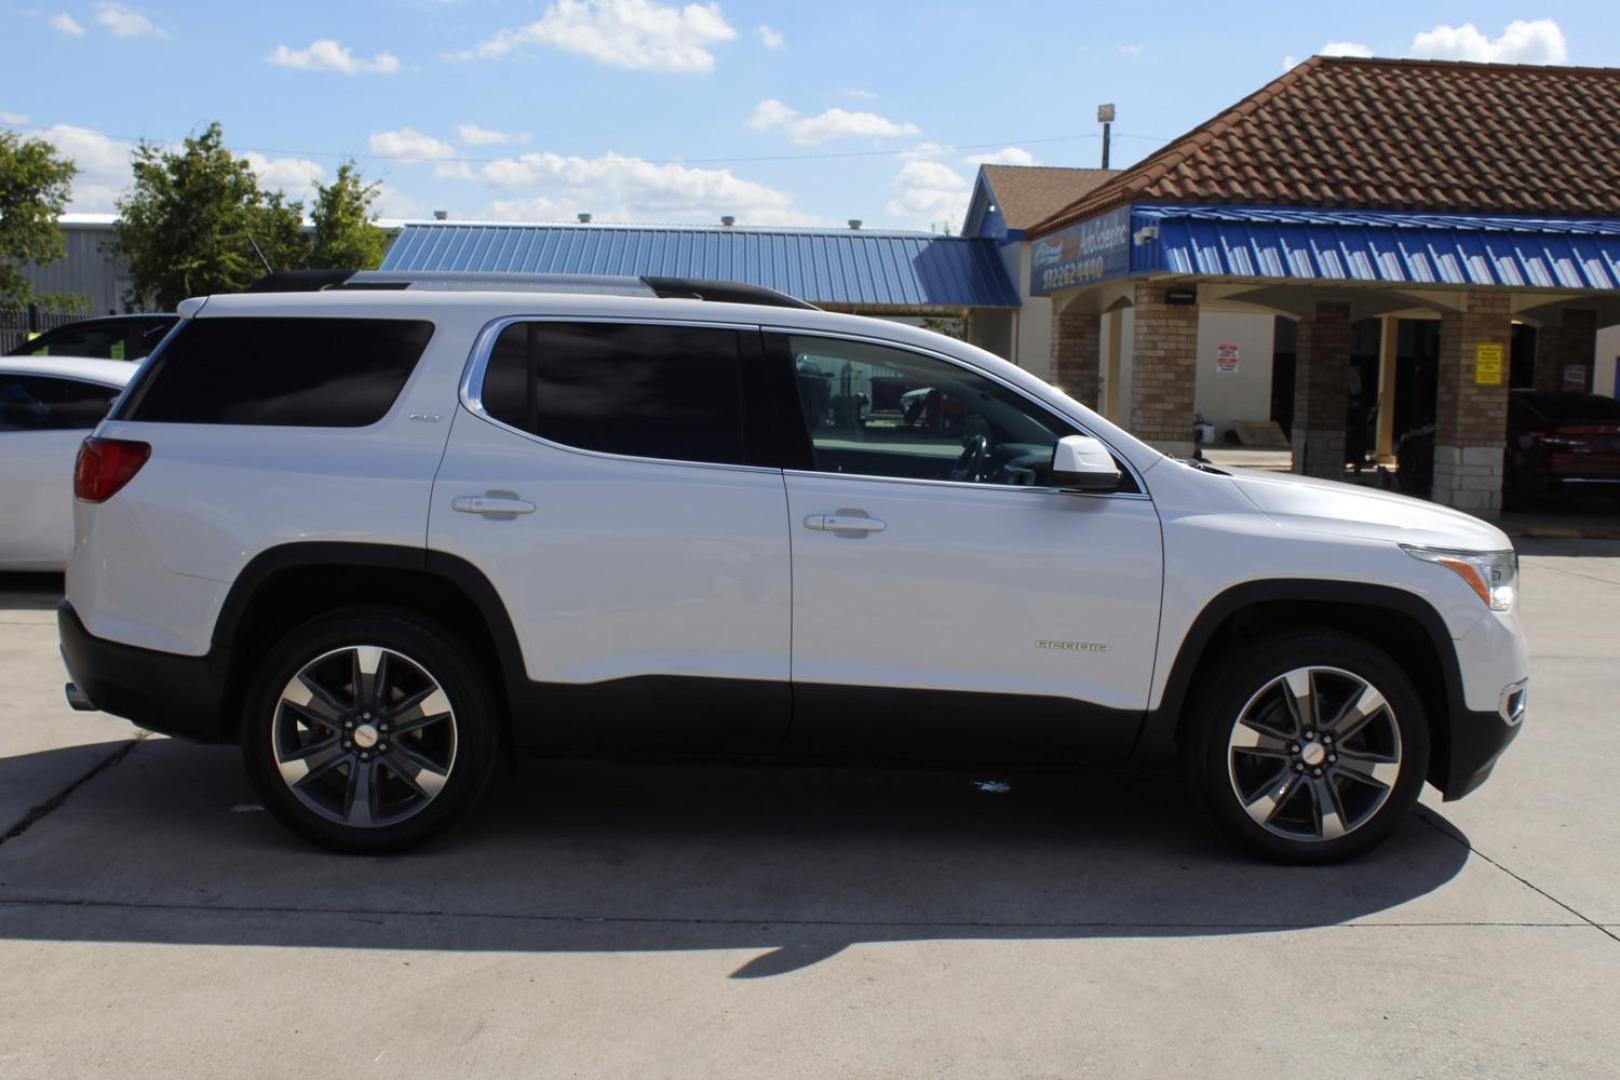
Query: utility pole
point(1105, 116)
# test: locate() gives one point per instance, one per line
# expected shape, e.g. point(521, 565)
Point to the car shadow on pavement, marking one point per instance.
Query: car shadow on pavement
point(30, 592)
point(169, 846)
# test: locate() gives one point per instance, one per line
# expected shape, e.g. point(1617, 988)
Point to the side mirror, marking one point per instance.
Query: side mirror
point(1082, 463)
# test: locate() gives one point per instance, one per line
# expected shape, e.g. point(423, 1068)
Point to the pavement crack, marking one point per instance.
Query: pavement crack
point(55, 802)
point(1434, 822)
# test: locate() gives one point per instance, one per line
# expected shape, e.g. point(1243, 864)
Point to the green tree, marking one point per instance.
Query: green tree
point(34, 188)
point(196, 222)
point(345, 238)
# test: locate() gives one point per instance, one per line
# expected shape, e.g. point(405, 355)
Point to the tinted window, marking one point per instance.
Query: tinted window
point(1569, 408)
point(876, 411)
point(41, 403)
point(645, 390)
point(104, 341)
point(294, 372)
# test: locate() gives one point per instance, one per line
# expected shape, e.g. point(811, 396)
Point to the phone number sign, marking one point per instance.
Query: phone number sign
point(1086, 251)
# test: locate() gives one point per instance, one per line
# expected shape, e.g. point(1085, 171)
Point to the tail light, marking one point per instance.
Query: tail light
point(105, 466)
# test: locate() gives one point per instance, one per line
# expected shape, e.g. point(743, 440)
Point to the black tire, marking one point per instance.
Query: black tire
point(472, 739)
point(1233, 681)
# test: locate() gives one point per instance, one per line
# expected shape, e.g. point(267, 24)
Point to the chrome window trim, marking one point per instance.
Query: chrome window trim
point(1141, 494)
point(472, 380)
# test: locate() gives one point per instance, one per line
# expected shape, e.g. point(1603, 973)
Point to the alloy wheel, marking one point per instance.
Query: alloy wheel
point(364, 736)
point(1314, 754)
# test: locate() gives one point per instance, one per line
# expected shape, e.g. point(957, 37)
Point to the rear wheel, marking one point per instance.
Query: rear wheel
point(1309, 747)
point(368, 730)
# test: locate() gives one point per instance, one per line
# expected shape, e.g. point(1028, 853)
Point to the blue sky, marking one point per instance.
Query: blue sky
point(641, 110)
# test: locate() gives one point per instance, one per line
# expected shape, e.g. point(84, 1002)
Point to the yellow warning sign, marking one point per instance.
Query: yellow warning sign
point(1487, 365)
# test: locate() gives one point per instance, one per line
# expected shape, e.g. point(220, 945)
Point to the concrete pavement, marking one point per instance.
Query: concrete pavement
point(599, 920)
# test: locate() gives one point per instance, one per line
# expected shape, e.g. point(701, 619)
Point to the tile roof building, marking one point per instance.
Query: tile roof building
point(1471, 208)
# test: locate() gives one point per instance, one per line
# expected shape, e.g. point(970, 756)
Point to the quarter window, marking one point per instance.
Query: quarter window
point(295, 372)
point(41, 403)
point(877, 411)
point(643, 390)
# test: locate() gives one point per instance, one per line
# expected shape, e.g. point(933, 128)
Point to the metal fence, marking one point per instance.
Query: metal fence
point(17, 325)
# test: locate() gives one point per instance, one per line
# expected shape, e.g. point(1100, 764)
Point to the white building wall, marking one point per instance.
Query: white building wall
point(1244, 394)
point(1603, 366)
point(1032, 332)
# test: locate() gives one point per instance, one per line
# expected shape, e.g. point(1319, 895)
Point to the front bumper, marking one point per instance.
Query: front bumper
point(1476, 740)
point(164, 692)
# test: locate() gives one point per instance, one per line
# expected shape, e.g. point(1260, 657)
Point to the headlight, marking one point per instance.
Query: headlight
point(1493, 575)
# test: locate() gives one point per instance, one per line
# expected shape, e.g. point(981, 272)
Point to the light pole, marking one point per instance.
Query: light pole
point(1105, 116)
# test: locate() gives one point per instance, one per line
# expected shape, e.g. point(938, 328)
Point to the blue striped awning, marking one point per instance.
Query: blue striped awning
point(1377, 246)
point(854, 268)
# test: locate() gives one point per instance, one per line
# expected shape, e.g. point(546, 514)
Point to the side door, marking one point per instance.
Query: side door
point(947, 599)
point(42, 421)
point(603, 476)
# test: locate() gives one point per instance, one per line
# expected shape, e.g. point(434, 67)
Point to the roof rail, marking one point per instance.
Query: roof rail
point(725, 292)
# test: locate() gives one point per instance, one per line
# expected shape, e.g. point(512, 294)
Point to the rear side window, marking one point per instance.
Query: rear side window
point(656, 391)
point(290, 372)
point(42, 403)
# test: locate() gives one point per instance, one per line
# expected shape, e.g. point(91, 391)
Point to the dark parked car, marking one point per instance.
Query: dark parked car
point(116, 337)
point(1567, 441)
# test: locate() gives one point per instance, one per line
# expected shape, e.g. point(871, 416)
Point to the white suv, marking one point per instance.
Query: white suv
point(384, 533)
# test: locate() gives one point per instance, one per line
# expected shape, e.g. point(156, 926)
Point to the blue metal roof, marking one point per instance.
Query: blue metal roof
point(1377, 246)
point(844, 267)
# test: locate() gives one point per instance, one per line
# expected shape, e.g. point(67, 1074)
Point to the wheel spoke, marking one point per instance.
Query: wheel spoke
point(1330, 824)
point(1355, 715)
point(313, 701)
point(424, 776)
point(418, 711)
point(1263, 806)
point(1299, 690)
point(368, 661)
point(1372, 769)
point(312, 762)
point(360, 801)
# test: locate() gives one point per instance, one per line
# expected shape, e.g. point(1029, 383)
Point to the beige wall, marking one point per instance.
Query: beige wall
point(1032, 328)
point(1608, 347)
point(1246, 393)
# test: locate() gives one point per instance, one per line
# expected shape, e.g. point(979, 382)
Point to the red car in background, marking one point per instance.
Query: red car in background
point(1562, 441)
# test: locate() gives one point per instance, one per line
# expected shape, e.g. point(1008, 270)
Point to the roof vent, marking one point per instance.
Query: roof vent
point(584, 219)
point(728, 221)
point(854, 222)
point(441, 215)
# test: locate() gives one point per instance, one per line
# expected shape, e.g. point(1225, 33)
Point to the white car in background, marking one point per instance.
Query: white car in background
point(47, 406)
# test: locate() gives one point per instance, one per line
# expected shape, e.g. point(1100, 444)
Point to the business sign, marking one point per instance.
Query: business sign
point(1487, 365)
point(1227, 356)
point(1085, 252)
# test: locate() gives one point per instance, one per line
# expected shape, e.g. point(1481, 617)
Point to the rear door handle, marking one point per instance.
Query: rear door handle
point(492, 505)
point(844, 523)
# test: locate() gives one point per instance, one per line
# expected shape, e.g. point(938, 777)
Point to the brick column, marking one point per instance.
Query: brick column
point(1322, 391)
point(1471, 426)
point(1164, 368)
point(1568, 339)
point(1076, 354)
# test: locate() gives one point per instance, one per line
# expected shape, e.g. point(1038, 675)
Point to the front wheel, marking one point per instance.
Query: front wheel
point(368, 730)
point(1309, 747)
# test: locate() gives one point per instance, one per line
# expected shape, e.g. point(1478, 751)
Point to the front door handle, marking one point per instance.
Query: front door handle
point(492, 505)
point(845, 523)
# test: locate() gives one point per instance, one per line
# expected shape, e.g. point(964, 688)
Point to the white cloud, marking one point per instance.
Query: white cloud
point(125, 21)
point(925, 150)
point(860, 95)
point(621, 188)
point(1130, 50)
point(1290, 62)
point(1538, 41)
point(1345, 48)
point(621, 33)
point(295, 176)
point(771, 39)
point(64, 23)
point(1007, 155)
point(13, 118)
point(473, 135)
point(929, 193)
point(393, 203)
point(326, 54)
point(104, 172)
point(835, 123)
point(410, 145)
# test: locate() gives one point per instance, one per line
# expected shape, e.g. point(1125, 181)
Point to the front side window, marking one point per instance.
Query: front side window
point(878, 411)
point(643, 390)
point(42, 403)
point(294, 372)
